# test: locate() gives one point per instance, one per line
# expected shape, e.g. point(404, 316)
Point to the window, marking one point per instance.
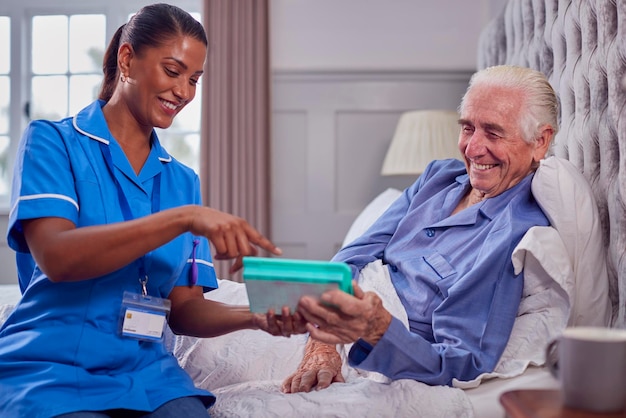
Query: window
point(52, 69)
point(66, 56)
point(5, 100)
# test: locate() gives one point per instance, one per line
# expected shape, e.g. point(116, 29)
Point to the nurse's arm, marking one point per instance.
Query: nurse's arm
point(66, 253)
point(192, 314)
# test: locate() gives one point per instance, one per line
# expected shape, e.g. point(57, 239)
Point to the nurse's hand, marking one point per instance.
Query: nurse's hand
point(231, 236)
point(340, 318)
point(285, 325)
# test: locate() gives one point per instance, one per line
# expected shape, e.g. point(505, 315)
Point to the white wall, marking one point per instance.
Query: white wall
point(344, 72)
point(377, 34)
point(330, 132)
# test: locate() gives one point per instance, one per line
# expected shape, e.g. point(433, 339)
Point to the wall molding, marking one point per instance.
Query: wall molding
point(330, 130)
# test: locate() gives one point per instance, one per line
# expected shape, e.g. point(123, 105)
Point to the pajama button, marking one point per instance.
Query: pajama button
point(430, 233)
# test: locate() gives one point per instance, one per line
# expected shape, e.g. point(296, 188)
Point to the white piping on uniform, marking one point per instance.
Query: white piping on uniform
point(199, 261)
point(97, 138)
point(106, 141)
point(44, 196)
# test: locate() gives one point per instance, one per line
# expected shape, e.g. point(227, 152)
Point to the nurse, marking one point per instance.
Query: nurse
point(112, 243)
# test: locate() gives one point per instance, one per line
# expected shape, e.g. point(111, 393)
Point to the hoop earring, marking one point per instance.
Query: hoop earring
point(123, 78)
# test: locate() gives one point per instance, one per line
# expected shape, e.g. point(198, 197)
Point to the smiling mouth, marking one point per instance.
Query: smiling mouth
point(482, 167)
point(169, 105)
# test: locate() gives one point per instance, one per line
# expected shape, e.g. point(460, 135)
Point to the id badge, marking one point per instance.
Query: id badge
point(143, 317)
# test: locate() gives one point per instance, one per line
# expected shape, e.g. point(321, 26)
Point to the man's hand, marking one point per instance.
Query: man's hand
point(320, 366)
point(340, 318)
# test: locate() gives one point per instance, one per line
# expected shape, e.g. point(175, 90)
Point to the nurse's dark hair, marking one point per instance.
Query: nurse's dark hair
point(150, 27)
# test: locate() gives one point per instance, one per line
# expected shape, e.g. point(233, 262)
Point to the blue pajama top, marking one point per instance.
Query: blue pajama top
point(453, 274)
point(60, 350)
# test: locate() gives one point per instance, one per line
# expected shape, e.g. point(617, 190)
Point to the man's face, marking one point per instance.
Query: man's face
point(496, 155)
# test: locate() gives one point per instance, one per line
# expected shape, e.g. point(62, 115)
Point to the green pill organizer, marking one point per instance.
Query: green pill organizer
point(277, 282)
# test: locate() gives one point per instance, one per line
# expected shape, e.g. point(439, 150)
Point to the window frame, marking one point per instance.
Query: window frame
point(20, 72)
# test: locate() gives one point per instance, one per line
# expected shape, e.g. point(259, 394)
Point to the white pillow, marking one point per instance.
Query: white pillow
point(544, 309)
point(371, 212)
point(565, 275)
point(566, 198)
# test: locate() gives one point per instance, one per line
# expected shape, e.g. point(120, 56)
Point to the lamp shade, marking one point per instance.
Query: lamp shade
point(420, 137)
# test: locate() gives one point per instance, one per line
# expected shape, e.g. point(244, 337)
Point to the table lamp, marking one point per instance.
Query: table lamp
point(420, 137)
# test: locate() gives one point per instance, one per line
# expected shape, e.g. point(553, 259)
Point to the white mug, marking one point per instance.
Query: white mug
point(590, 364)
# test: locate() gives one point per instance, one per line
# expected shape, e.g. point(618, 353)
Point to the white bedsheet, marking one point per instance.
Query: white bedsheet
point(9, 294)
point(245, 370)
point(485, 398)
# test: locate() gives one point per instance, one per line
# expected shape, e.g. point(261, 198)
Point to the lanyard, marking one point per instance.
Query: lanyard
point(127, 213)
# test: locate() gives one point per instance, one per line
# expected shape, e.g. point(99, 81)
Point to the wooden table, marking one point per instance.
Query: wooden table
point(539, 403)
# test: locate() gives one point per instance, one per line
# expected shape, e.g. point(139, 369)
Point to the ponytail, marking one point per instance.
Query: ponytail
point(109, 66)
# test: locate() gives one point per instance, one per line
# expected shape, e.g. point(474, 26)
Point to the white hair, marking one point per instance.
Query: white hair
point(541, 104)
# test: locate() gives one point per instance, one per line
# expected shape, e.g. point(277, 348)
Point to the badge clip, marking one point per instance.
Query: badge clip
point(143, 317)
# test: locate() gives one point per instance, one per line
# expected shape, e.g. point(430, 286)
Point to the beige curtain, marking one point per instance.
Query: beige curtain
point(235, 168)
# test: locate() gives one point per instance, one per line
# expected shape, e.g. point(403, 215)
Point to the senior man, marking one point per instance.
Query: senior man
point(446, 243)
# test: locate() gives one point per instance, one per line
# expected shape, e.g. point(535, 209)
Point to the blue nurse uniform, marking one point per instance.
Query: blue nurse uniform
point(60, 350)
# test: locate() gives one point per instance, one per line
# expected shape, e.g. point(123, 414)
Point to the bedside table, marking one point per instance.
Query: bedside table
point(538, 403)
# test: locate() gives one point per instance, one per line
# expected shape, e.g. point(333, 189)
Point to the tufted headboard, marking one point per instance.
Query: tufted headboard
point(581, 47)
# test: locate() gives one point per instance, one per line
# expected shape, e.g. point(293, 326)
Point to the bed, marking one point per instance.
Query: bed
point(575, 271)
point(578, 46)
